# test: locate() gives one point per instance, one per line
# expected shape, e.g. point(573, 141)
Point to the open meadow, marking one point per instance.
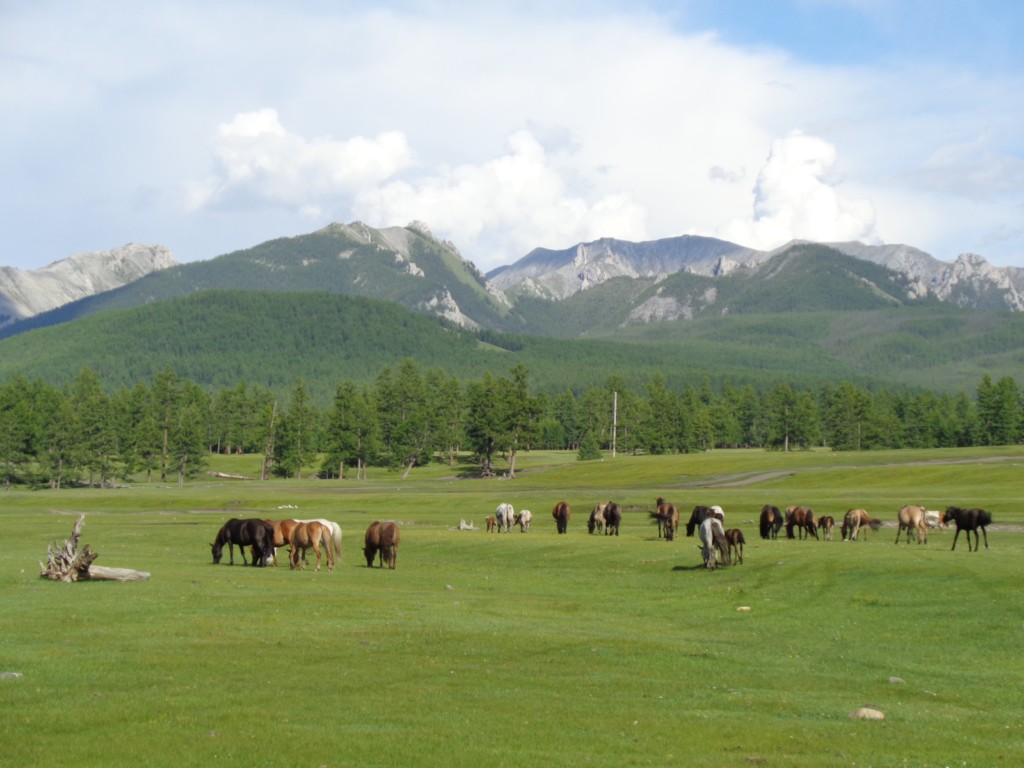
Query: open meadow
point(525, 649)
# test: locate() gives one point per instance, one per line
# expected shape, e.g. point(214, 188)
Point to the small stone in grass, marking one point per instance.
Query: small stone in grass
point(867, 713)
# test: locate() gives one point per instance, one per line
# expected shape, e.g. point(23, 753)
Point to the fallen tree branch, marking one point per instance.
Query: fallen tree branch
point(67, 563)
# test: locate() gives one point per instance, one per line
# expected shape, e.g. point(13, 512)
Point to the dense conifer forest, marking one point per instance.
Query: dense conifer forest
point(166, 428)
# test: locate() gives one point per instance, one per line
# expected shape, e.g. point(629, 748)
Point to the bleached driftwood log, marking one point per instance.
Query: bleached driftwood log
point(67, 563)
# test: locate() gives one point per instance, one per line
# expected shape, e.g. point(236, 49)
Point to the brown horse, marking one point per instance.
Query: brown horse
point(827, 524)
point(389, 536)
point(667, 516)
point(612, 519)
point(911, 519)
point(968, 520)
point(311, 535)
point(735, 539)
point(491, 520)
point(802, 518)
point(771, 521)
point(561, 513)
point(854, 520)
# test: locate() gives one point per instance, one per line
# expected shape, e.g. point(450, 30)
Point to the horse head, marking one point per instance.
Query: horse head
point(217, 550)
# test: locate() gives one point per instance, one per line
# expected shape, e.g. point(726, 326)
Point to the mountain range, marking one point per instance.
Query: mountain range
point(841, 309)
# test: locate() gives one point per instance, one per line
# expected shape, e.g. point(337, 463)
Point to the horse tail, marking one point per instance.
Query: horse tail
point(336, 539)
point(984, 517)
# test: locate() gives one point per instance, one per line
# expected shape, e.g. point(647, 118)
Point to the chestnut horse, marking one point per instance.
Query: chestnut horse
point(827, 524)
point(771, 521)
point(802, 518)
point(667, 516)
point(734, 538)
point(968, 520)
point(311, 535)
point(389, 537)
point(911, 519)
point(372, 541)
point(854, 520)
point(561, 513)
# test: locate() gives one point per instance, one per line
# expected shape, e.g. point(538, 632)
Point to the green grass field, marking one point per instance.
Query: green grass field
point(524, 649)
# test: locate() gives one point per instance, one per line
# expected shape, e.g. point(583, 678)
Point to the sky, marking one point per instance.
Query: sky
point(208, 127)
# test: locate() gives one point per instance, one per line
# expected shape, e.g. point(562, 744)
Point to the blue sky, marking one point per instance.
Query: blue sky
point(208, 127)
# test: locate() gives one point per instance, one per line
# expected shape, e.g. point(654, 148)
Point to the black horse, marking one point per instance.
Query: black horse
point(772, 521)
point(968, 520)
point(612, 519)
point(250, 532)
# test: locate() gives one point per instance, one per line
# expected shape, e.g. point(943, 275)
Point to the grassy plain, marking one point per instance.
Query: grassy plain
point(524, 649)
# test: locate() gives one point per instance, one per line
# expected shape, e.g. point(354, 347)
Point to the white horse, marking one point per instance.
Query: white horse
point(506, 517)
point(523, 519)
point(713, 542)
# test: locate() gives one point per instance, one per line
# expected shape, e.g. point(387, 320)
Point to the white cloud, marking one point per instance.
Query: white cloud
point(506, 206)
point(258, 161)
point(797, 197)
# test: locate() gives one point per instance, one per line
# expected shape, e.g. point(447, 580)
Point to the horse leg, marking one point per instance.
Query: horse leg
point(957, 536)
point(985, 534)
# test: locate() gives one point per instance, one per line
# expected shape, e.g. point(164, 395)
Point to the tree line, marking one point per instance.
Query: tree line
point(169, 427)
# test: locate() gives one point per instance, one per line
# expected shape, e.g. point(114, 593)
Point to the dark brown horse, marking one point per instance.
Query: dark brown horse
point(734, 537)
point(826, 524)
point(612, 519)
point(802, 518)
point(968, 520)
point(771, 521)
point(562, 512)
point(700, 514)
point(667, 516)
point(250, 532)
point(389, 537)
point(312, 535)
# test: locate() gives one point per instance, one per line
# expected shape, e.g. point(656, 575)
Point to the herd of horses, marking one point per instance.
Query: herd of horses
point(718, 545)
point(264, 537)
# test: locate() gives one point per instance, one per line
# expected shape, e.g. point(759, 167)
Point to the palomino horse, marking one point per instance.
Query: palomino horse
point(911, 520)
point(667, 516)
point(713, 543)
point(596, 522)
point(771, 521)
point(561, 513)
point(827, 524)
point(250, 532)
point(505, 515)
point(735, 540)
point(311, 535)
point(802, 518)
point(612, 519)
point(968, 520)
point(523, 519)
point(854, 520)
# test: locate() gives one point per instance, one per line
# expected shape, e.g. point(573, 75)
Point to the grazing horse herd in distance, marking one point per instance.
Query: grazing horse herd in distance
point(718, 544)
point(264, 537)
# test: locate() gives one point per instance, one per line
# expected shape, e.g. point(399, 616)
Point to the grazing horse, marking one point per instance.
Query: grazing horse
point(854, 520)
point(505, 516)
point(827, 524)
point(968, 520)
point(250, 532)
point(667, 516)
point(735, 540)
point(388, 544)
point(612, 519)
point(771, 521)
point(523, 519)
point(802, 518)
point(492, 523)
point(911, 519)
point(562, 512)
point(933, 518)
point(596, 522)
point(713, 543)
point(313, 534)
point(371, 542)
point(700, 514)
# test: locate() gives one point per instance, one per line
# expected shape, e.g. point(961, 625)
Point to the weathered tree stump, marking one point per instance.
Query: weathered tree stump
point(67, 563)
